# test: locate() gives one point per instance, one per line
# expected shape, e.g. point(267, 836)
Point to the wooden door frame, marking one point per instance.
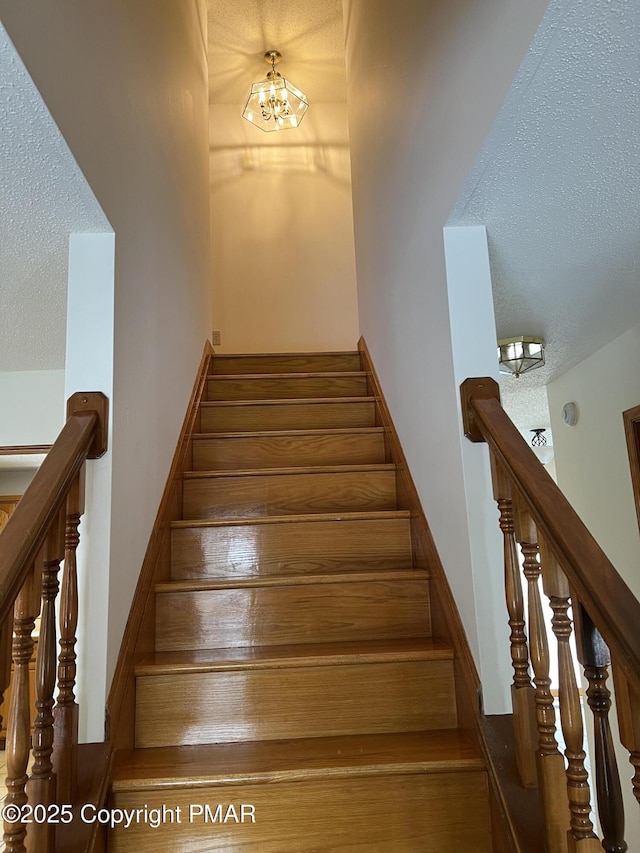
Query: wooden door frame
point(631, 420)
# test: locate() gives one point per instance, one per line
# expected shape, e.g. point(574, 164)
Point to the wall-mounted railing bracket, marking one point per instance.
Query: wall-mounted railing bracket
point(484, 388)
point(92, 401)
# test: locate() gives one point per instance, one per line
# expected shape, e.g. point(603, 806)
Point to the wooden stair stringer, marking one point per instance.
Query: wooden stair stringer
point(446, 622)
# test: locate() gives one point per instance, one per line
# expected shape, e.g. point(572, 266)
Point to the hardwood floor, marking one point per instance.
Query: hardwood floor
point(296, 701)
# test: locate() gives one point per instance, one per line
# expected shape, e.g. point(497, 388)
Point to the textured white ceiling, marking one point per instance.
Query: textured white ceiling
point(558, 187)
point(308, 33)
point(557, 183)
point(43, 198)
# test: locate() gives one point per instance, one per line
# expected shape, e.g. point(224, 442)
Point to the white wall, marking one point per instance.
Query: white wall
point(426, 80)
point(32, 410)
point(15, 482)
point(592, 462)
point(592, 467)
point(283, 266)
point(126, 84)
point(32, 406)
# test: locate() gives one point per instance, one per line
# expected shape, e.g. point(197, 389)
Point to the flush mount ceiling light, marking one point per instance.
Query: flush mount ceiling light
point(539, 445)
point(519, 355)
point(275, 103)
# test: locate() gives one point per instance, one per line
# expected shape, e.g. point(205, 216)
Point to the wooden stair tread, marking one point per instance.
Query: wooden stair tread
point(284, 433)
point(357, 576)
point(307, 654)
point(286, 401)
point(302, 469)
point(331, 374)
point(320, 353)
point(444, 750)
point(292, 519)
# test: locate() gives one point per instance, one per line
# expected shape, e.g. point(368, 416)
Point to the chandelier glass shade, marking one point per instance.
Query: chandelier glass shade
point(274, 103)
point(519, 355)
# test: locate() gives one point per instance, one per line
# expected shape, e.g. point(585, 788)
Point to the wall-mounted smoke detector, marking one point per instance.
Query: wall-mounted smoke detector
point(570, 414)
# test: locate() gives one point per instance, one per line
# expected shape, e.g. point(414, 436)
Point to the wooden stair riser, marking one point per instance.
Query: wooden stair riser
point(309, 701)
point(285, 363)
point(286, 387)
point(277, 387)
point(209, 619)
point(438, 813)
point(243, 417)
point(280, 549)
point(289, 494)
point(215, 453)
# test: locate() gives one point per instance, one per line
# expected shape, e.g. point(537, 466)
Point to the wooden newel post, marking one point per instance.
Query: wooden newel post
point(522, 693)
point(42, 784)
point(594, 655)
point(19, 723)
point(65, 756)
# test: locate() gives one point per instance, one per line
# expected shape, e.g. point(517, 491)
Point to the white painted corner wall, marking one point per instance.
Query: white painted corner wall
point(473, 341)
point(89, 367)
point(426, 80)
point(126, 83)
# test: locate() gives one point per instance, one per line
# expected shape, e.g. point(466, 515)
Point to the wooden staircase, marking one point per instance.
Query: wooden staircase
point(297, 701)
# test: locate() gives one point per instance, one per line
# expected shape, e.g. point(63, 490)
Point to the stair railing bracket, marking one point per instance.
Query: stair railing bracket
point(484, 388)
point(84, 402)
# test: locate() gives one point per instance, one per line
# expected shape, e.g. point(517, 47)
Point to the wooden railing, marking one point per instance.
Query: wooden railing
point(588, 598)
point(41, 533)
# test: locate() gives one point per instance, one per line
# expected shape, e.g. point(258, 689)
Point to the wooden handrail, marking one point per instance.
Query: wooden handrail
point(27, 528)
point(612, 606)
point(84, 436)
point(41, 532)
point(577, 577)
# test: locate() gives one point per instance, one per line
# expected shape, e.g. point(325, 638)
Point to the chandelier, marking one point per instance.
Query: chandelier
point(540, 446)
point(519, 355)
point(275, 103)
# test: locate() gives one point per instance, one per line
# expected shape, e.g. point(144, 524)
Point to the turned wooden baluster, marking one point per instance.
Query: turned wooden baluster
point(19, 723)
point(594, 656)
point(551, 768)
point(65, 755)
point(581, 836)
point(628, 708)
point(42, 782)
point(6, 642)
point(522, 694)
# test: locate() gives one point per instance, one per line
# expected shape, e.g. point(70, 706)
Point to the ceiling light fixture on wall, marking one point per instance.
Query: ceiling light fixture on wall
point(519, 355)
point(275, 103)
point(539, 445)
